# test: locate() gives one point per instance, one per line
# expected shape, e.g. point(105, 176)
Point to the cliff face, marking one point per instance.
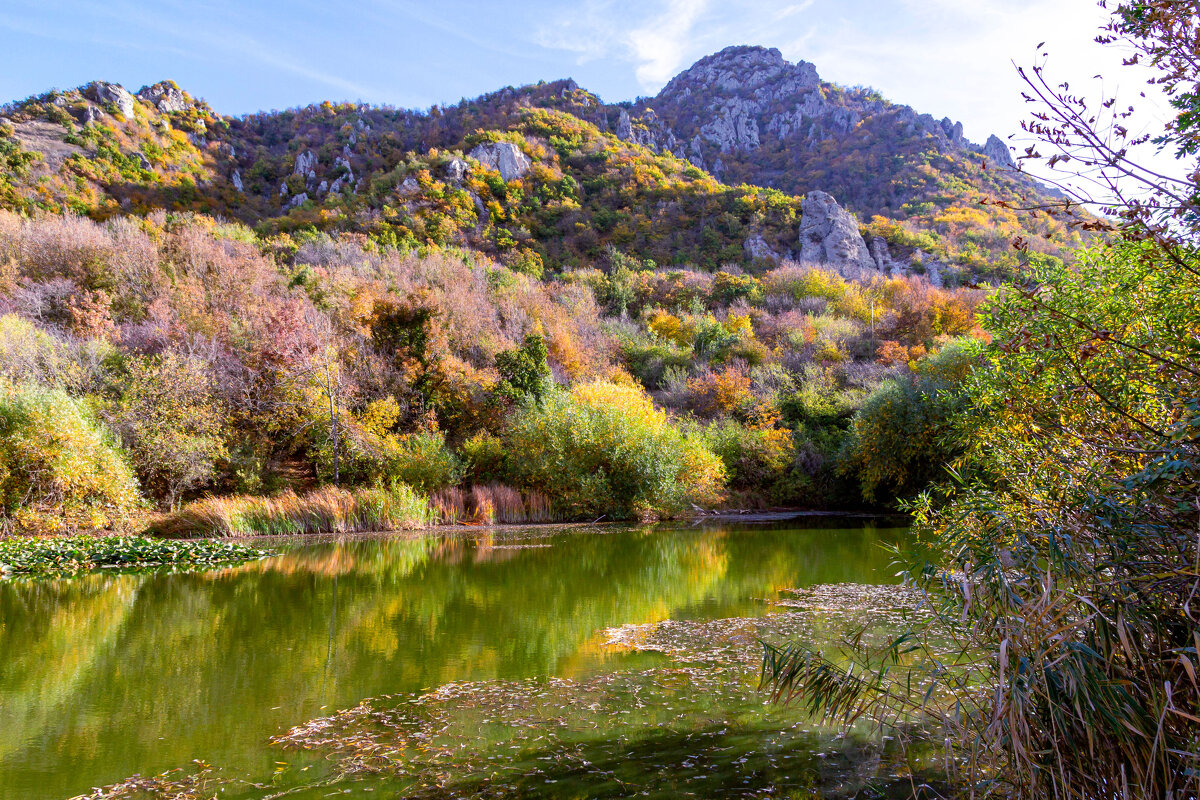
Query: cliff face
point(746, 114)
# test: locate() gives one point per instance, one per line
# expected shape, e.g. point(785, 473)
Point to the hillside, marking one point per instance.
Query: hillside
point(710, 172)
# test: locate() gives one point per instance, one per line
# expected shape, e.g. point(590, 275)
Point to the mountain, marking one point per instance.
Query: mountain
point(743, 158)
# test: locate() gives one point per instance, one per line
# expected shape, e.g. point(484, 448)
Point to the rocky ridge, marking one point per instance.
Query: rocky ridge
point(860, 175)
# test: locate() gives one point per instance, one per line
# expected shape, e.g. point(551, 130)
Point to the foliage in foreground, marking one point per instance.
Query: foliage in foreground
point(59, 466)
point(71, 554)
point(1068, 549)
point(1067, 554)
point(326, 510)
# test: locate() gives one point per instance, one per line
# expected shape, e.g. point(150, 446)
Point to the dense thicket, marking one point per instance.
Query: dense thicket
point(226, 362)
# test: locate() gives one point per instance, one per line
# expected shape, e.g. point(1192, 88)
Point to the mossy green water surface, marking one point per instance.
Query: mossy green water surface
point(440, 665)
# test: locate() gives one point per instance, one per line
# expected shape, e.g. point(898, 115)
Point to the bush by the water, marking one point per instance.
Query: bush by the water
point(602, 448)
point(65, 555)
point(326, 510)
point(59, 467)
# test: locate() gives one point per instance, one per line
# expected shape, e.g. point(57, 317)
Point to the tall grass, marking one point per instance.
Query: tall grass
point(492, 503)
point(325, 510)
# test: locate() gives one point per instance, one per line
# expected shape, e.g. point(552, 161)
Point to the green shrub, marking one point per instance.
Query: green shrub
point(422, 460)
point(483, 457)
point(904, 435)
point(604, 449)
point(59, 467)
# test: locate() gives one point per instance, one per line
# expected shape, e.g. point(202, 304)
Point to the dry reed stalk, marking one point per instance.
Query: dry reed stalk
point(507, 503)
point(449, 505)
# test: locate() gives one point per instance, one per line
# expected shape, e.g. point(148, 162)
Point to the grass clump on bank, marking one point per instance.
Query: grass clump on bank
point(326, 510)
point(492, 503)
point(69, 555)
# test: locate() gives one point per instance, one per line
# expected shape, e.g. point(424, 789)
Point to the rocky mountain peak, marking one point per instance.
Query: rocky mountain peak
point(166, 96)
point(743, 69)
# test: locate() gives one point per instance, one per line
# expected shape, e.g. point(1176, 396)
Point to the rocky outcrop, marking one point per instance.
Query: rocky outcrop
point(734, 128)
point(236, 179)
point(882, 256)
point(746, 70)
point(997, 153)
point(504, 157)
point(756, 249)
point(456, 170)
point(829, 235)
point(306, 165)
point(114, 93)
point(164, 96)
point(88, 115)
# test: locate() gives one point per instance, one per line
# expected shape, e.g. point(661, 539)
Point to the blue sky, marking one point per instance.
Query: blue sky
point(945, 57)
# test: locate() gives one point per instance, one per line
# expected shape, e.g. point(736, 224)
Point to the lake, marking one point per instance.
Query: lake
point(487, 658)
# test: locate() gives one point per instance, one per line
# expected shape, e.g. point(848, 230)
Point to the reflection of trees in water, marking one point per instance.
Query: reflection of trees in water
point(52, 634)
point(214, 663)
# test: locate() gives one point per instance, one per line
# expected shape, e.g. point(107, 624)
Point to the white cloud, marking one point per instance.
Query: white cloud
point(659, 46)
point(655, 37)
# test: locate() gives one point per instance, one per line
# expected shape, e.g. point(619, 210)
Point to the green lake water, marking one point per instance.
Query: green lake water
point(484, 653)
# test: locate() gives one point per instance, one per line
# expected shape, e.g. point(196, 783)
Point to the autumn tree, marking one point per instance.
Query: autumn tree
point(172, 424)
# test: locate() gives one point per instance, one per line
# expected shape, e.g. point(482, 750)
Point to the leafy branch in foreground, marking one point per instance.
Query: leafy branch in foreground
point(1069, 566)
point(1068, 547)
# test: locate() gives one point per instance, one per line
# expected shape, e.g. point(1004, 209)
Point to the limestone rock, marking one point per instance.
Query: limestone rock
point(624, 126)
point(456, 170)
point(306, 163)
point(746, 69)
point(237, 181)
point(114, 93)
point(756, 249)
point(88, 115)
point(997, 153)
point(829, 235)
point(164, 96)
point(881, 254)
point(409, 186)
point(504, 157)
point(696, 152)
point(297, 200)
point(735, 128)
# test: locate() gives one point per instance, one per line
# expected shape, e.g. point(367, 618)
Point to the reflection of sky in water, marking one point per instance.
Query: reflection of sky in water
point(111, 675)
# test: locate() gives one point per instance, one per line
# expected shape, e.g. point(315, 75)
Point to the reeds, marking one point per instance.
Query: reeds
point(326, 510)
point(492, 503)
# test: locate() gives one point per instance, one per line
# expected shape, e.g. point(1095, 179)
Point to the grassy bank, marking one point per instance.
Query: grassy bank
point(69, 555)
point(326, 510)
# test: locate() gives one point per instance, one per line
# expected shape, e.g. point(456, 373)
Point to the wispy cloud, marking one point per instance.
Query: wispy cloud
point(660, 45)
point(655, 37)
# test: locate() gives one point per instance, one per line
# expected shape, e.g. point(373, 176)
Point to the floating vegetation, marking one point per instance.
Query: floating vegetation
point(199, 782)
point(675, 713)
point(68, 555)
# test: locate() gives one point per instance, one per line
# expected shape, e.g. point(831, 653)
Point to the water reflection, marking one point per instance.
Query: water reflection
point(110, 675)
